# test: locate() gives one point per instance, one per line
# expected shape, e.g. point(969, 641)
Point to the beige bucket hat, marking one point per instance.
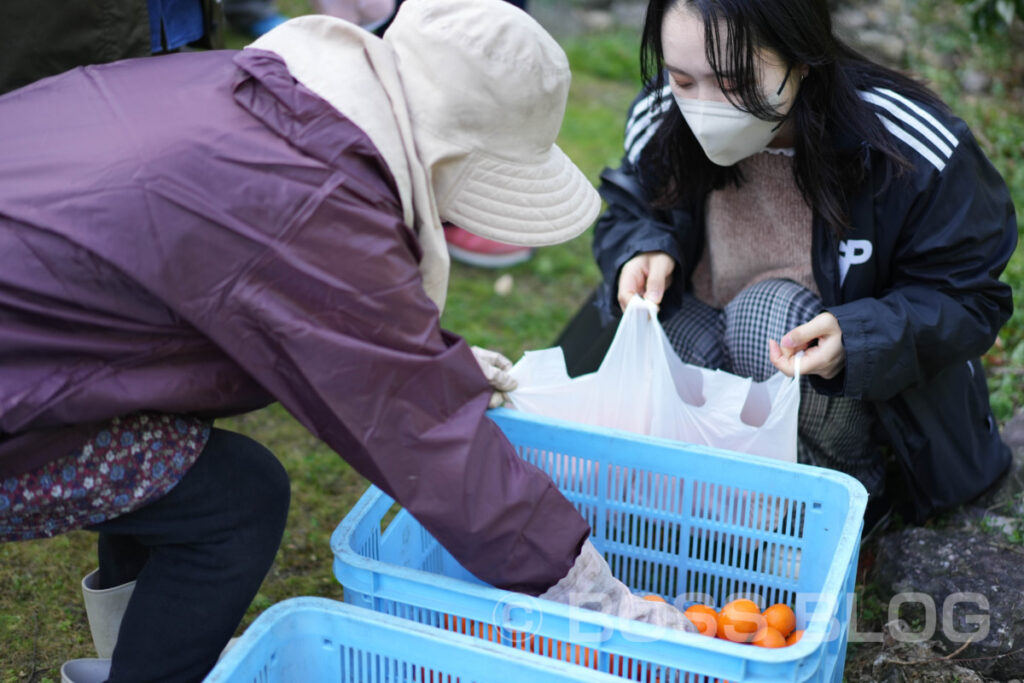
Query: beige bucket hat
point(486, 88)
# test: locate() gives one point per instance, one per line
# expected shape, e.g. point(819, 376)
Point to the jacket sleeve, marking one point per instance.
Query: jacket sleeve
point(944, 303)
point(629, 225)
point(330, 317)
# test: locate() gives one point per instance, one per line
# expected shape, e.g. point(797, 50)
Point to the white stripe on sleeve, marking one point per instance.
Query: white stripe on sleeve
point(640, 108)
point(922, 113)
point(633, 153)
point(913, 141)
point(642, 124)
point(909, 119)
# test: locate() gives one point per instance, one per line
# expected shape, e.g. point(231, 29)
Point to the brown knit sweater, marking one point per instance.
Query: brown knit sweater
point(759, 231)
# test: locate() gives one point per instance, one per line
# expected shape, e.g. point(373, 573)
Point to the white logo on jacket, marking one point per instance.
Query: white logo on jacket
point(852, 253)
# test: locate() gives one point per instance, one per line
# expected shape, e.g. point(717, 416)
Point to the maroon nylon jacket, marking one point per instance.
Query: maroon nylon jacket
point(198, 233)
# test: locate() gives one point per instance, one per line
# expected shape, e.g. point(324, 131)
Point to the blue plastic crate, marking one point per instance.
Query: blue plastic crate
point(671, 518)
point(315, 640)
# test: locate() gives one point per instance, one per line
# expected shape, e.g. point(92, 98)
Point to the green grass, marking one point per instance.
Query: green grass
point(42, 621)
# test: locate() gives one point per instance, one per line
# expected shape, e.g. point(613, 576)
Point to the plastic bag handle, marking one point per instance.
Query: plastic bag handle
point(796, 365)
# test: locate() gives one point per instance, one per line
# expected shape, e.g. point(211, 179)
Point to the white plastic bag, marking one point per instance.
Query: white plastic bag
point(643, 387)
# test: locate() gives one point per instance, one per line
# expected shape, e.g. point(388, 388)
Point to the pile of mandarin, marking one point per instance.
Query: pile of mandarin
point(742, 621)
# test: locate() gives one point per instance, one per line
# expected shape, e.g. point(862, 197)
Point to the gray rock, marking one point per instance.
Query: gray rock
point(895, 7)
point(1013, 431)
point(877, 16)
point(559, 18)
point(974, 585)
point(902, 660)
point(974, 81)
point(596, 20)
point(850, 19)
point(939, 60)
point(1007, 496)
point(881, 45)
point(630, 14)
point(564, 18)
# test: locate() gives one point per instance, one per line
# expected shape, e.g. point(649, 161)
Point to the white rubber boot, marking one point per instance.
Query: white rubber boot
point(85, 671)
point(105, 608)
point(98, 670)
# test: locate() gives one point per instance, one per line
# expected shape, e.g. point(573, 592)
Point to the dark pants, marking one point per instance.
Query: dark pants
point(199, 555)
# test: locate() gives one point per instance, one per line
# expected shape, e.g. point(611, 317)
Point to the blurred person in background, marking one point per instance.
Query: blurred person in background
point(35, 43)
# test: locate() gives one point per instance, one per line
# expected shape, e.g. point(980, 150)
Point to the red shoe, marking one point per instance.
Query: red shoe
point(473, 250)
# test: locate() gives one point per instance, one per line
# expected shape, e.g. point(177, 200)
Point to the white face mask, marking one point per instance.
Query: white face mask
point(725, 133)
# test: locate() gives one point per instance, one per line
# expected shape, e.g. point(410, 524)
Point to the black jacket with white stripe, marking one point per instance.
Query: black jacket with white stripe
point(915, 287)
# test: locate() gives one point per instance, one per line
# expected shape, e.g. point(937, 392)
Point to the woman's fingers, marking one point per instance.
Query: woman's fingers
point(648, 274)
point(820, 339)
point(659, 277)
point(822, 325)
point(631, 281)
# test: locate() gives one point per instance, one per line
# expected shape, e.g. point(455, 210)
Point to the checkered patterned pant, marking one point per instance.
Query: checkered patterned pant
point(833, 431)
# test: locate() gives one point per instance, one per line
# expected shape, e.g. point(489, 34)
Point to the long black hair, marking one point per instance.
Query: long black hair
point(676, 170)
